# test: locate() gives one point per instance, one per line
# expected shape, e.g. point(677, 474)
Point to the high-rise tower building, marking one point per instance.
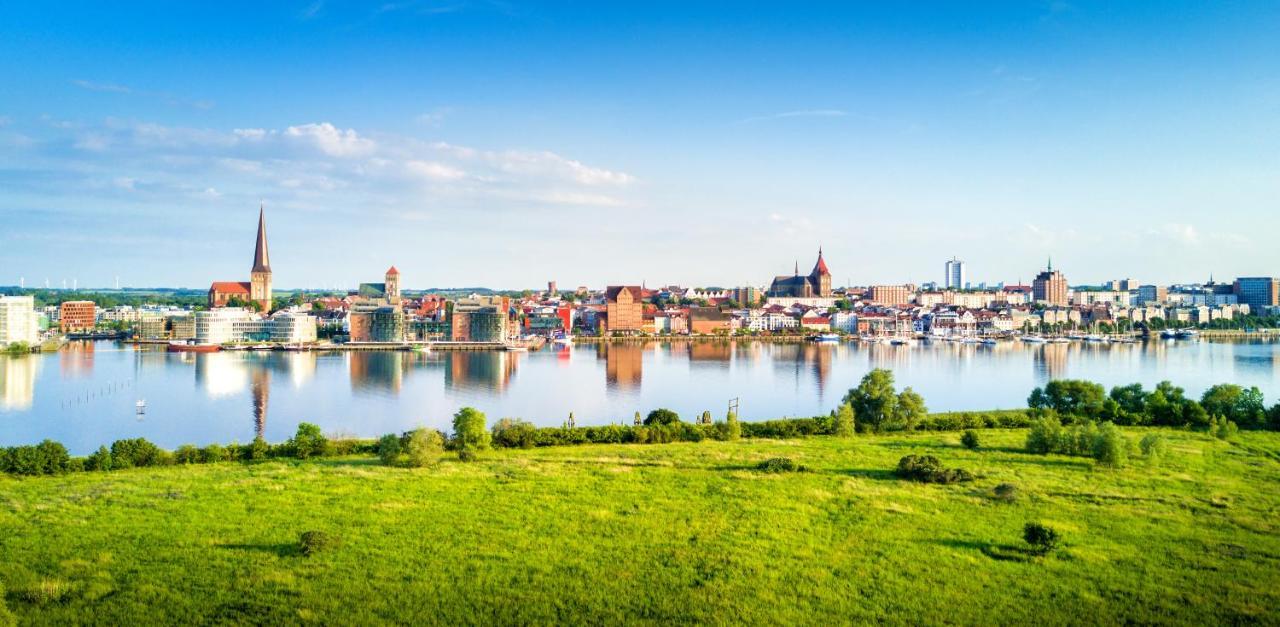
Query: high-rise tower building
point(955, 275)
point(1050, 287)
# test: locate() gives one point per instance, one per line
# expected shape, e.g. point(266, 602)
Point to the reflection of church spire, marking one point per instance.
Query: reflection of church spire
point(260, 390)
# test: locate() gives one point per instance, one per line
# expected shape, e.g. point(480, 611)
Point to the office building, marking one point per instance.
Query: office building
point(1258, 293)
point(891, 295)
point(1050, 287)
point(956, 275)
point(18, 320)
point(624, 309)
point(75, 316)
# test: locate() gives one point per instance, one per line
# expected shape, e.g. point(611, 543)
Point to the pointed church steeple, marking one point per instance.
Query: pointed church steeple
point(261, 260)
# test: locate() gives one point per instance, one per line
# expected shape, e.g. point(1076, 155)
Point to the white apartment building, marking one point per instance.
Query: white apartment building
point(18, 320)
point(236, 324)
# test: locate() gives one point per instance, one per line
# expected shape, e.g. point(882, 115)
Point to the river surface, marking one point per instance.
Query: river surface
point(86, 394)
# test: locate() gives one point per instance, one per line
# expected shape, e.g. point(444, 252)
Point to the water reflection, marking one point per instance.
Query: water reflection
point(479, 370)
point(18, 381)
point(86, 398)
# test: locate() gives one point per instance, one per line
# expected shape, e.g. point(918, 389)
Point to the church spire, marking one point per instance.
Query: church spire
point(261, 261)
point(797, 267)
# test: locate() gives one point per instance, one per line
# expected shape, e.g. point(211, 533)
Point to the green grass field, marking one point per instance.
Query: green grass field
point(685, 532)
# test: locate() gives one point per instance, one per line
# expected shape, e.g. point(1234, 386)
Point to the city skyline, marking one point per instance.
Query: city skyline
point(464, 143)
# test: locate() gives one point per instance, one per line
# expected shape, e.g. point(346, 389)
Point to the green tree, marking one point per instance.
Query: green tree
point(1132, 402)
point(661, 417)
point(874, 401)
point(1110, 446)
point(1070, 397)
point(389, 449)
point(845, 421)
point(1243, 406)
point(470, 433)
point(910, 410)
point(422, 447)
point(733, 426)
point(308, 441)
point(970, 440)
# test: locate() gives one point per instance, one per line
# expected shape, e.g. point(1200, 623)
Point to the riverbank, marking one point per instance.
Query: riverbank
point(686, 532)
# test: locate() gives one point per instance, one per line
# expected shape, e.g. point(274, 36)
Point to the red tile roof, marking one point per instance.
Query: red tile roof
point(393, 271)
point(229, 287)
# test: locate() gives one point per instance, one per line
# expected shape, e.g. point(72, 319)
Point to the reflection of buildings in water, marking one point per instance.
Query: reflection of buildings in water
point(260, 390)
point(18, 381)
point(623, 365)
point(221, 374)
point(888, 356)
point(1051, 360)
point(710, 351)
point(487, 370)
point(376, 370)
point(799, 358)
point(76, 359)
point(299, 366)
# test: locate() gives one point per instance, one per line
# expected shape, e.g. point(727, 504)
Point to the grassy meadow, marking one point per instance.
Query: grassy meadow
point(684, 532)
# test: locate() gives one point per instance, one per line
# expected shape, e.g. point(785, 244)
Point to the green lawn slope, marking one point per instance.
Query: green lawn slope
point(686, 532)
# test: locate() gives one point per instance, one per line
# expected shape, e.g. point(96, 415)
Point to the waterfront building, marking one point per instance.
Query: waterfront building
point(709, 321)
point(891, 295)
point(1259, 293)
point(816, 284)
point(479, 319)
point(1050, 287)
point(955, 277)
point(77, 315)
point(18, 320)
point(844, 321)
point(387, 324)
point(237, 324)
point(182, 327)
point(1090, 298)
point(258, 288)
point(624, 309)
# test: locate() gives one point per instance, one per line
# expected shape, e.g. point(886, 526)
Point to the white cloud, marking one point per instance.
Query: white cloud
point(332, 140)
point(801, 113)
point(124, 182)
point(103, 87)
point(433, 170)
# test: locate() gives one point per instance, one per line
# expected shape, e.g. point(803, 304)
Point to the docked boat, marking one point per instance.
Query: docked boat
point(988, 342)
point(825, 338)
point(560, 338)
point(902, 341)
point(183, 347)
point(1034, 339)
point(1188, 334)
point(1168, 334)
point(1095, 338)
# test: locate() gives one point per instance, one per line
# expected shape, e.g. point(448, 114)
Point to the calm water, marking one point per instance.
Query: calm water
point(85, 395)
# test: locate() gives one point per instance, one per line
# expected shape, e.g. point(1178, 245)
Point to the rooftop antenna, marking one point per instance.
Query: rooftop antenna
point(117, 281)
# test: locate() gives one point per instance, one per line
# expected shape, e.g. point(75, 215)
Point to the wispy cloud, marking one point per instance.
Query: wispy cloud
point(167, 98)
point(800, 113)
point(311, 11)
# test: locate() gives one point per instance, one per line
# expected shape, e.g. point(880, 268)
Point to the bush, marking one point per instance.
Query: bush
point(1224, 429)
point(514, 433)
point(135, 453)
point(845, 424)
point(1042, 538)
point(660, 417)
point(186, 454)
point(469, 433)
point(422, 447)
point(312, 542)
point(1110, 446)
point(389, 449)
point(258, 450)
point(970, 439)
point(733, 428)
point(1153, 446)
point(214, 453)
point(308, 441)
point(1044, 435)
point(1006, 492)
point(779, 464)
point(98, 460)
point(928, 469)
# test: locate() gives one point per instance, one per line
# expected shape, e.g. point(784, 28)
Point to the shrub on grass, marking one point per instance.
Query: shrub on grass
point(660, 417)
point(1044, 435)
point(1153, 446)
point(469, 433)
point(308, 441)
point(1042, 538)
point(135, 453)
point(1006, 492)
point(514, 433)
point(422, 447)
point(970, 439)
point(186, 454)
point(845, 423)
point(389, 449)
point(312, 542)
point(779, 464)
point(258, 450)
point(733, 428)
point(1223, 429)
point(214, 453)
point(98, 460)
point(1110, 446)
point(928, 469)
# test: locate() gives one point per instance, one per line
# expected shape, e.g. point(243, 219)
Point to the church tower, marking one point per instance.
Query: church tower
point(392, 286)
point(260, 276)
point(820, 278)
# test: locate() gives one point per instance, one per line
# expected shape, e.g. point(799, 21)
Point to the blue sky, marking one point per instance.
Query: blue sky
point(506, 144)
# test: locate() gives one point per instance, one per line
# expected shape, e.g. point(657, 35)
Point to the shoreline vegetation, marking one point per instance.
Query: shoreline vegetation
point(874, 406)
